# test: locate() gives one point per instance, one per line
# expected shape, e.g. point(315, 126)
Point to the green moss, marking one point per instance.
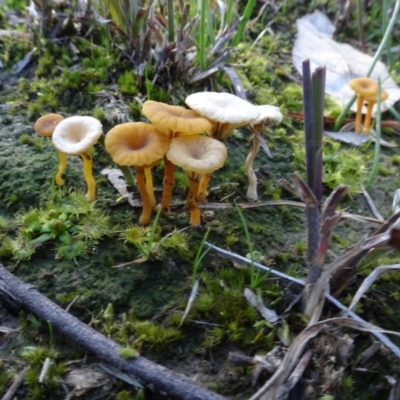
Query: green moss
point(127, 83)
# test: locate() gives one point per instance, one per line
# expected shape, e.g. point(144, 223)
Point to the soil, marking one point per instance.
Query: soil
point(157, 290)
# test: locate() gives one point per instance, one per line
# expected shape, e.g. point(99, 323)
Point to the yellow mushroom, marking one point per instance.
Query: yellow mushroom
point(367, 91)
point(76, 136)
point(173, 121)
point(140, 145)
point(45, 126)
point(197, 156)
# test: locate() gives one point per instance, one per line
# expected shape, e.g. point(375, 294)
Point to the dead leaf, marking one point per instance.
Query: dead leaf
point(85, 379)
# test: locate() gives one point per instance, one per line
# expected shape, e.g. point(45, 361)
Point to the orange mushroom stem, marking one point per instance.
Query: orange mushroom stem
point(192, 206)
point(168, 186)
point(149, 186)
point(147, 206)
point(201, 196)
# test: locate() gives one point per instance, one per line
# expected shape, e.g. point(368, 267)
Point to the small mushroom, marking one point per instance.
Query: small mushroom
point(197, 156)
point(140, 145)
point(173, 121)
point(76, 136)
point(366, 90)
point(45, 126)
point(227, 111)
point(268, 114)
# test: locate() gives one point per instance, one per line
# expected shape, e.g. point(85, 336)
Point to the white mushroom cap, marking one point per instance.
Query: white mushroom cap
point(198, 154)
point(76, 135)
point(268, 114)
point(223, 107)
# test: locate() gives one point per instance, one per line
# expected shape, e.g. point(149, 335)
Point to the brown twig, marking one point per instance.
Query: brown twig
point(150, 374)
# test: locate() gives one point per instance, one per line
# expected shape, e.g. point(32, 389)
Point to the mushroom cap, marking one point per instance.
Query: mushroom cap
point(76, 135)
point(136, 143)
point(374, 99)
point(268, 114)
point(175, 119)
point(365, 87)
point(223, 107)
point(45, 125)
point(199, 154)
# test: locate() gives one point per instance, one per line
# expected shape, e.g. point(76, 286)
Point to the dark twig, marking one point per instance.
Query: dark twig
point(150, 374)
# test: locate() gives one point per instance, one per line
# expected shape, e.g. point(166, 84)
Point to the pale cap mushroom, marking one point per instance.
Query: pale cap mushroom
point(76, 135)
point(228, 110)
point(267, 115)
point(197, 155)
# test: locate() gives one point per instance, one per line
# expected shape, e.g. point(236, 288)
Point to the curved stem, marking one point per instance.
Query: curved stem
point(149, 186)
point(201, 196)
point(191, 203)
point(87, 172)
point(62, 163)
point(168, 186)
point(146, 210)
point(360, 102)
point(252, 188)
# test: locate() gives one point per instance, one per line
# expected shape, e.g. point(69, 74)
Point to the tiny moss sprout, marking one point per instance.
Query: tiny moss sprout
point(127, 83)
point(128, 352)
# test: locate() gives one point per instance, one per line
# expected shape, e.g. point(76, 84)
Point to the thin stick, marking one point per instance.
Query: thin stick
point(239, 259)
point(150, 374)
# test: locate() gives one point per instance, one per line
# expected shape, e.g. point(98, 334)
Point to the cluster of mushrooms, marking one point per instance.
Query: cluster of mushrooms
point(192, 139)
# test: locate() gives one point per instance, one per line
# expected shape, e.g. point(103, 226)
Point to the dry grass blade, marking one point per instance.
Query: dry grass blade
point(317, 295)
point(273, 385)
point(370, 279)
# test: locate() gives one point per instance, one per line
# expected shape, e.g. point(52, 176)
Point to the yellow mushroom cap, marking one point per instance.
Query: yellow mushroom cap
point(199, 154)
point(177, 119)
point(76, 135)
point(136, 143)
point(364, 87)
point(374, 99)
point(46, 124)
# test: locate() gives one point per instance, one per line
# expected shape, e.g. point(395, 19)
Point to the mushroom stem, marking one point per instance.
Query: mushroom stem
point(149, 186)
point(62, 163)
point(191, 202)
point(367, 121)
point(146, 210)
point(168, 186)
point(360, 102)
point(251, 176)
point(87, 172)
point(202, 193)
